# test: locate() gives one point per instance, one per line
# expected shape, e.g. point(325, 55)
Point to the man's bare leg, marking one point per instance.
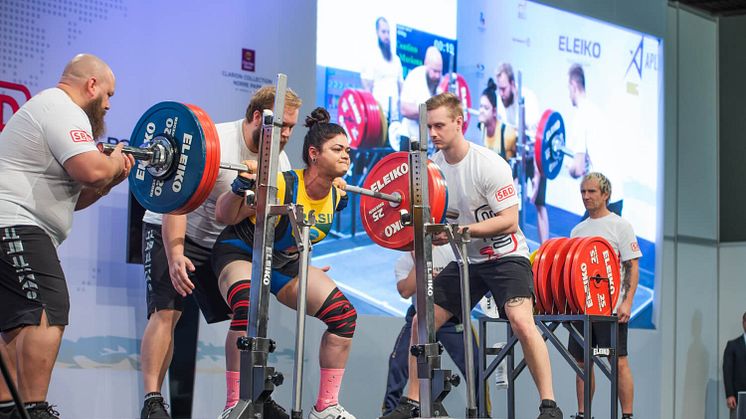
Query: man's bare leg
point(8, 352)
point(626, 385)
point(37, 348)
point(157, 348)
point(580, 388)
point(520, 312)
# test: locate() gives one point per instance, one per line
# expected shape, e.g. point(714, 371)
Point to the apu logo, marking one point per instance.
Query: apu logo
point(641, 60)
point(505, 193)
point(80, 136)
point(14, 95)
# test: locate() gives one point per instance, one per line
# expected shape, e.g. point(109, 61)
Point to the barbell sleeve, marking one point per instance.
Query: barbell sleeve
point(137, 152)
point(144, 153)
point(566, 151)
point(375, 194)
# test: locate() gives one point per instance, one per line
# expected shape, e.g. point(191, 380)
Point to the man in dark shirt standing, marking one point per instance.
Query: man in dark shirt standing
point(734, 369)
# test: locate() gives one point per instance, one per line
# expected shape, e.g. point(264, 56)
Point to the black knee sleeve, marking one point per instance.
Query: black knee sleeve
point(238, 299)
point(338, 314)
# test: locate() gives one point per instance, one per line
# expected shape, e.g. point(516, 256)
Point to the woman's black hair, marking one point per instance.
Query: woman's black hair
point(491, 92)
point(320, 130)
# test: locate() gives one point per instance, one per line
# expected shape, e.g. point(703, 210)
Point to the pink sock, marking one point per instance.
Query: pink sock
point(232, 385)
point(329, 383)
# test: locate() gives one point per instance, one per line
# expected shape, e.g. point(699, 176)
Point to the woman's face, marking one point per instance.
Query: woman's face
point(486, 111)
point(333, 160)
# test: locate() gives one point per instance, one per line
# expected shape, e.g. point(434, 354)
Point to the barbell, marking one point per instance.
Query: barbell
point(178, 159)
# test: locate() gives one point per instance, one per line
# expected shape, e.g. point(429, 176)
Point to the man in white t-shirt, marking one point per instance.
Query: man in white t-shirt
point(421, 84)
point(176, 258)
point(595, 190)
point(507, 111)
point(480, 188)
point(588, 139)
point(383, 75)
point(50, 168)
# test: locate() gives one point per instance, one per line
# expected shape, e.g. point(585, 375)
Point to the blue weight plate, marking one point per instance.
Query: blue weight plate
point(552, 141)
point(173, 191)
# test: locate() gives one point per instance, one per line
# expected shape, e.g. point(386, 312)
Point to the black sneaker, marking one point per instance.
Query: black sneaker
point(42, 410)
point(549, 410)
point(407, 408)
point(154, 408)
point(272, 410)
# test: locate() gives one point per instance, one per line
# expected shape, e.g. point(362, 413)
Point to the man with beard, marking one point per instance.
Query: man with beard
point(508, 112)
point(383, 75)
point(176, 255)
point(51, 167)
point(420, 85)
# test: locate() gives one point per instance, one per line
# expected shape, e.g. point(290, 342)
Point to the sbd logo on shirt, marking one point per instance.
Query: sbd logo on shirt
point(505, 193)
point(80, 136)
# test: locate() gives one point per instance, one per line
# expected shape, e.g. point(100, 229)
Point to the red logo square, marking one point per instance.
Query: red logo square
point(80, 136)
point(505, 193)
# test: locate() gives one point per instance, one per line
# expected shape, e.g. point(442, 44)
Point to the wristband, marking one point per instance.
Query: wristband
point(240, 185)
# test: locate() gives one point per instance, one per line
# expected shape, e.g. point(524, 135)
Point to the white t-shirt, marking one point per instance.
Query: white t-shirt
point(201, 225)
point(479, 187)
point(619, 233)
point(35, 189)
point(386, 76)
point(509, 115)
point(587, 133)
point(415, 90)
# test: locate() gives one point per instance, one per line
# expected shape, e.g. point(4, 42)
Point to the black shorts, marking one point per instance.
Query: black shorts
point(600, 338)
point(230, 247)
point(31, 279)
point(161, 294)
point(506, 278)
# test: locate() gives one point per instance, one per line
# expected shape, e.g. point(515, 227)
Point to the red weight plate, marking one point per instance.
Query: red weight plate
point(538, 138)
point(538, 307)
point(212, 161)
point(439, 196)
point(384, 128)
point(212, 143)
point(566, 275)
point(461, 90)
point(613, 270)
point(558, 286)
point(373, 125)
point(381, 219)
point(352, 116)
point(199, 194)
point(545, 269)
point(589, 263)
